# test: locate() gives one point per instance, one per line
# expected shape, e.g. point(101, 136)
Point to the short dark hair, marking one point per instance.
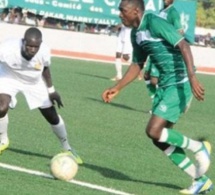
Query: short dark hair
point(33, 32)
point(138, 3)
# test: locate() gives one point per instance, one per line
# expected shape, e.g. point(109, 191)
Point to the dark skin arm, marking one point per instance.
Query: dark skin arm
point(129, 76)
point(54, 96)
point(47, 77)
point(197, 88)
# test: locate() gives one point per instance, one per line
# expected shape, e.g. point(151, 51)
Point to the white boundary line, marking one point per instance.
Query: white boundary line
point(80, 183)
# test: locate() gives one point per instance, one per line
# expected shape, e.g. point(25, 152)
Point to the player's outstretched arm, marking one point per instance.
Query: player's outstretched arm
point(53, 95)
point(197, 88)
point(129, 76)
point(47, 77)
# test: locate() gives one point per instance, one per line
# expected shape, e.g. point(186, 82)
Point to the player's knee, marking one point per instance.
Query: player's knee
point(54, 119)
point(3, 110)
point(50, 115)
point(153, 133)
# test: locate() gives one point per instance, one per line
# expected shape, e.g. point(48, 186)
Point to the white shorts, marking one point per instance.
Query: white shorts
point(36, 95)
point(124, 47)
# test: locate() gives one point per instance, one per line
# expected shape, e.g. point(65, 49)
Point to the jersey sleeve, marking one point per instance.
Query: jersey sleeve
point(138, 56)
point(160, 28)
point(174, 19)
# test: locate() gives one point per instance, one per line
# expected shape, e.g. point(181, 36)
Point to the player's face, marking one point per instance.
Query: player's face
point(128, 14)
point(30, 47)
point(167, 2)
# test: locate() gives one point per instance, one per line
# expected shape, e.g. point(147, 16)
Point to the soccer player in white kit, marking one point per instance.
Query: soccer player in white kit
point(123, 50)
point(25, 68)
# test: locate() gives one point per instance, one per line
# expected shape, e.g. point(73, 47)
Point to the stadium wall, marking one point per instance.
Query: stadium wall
point(93, 46)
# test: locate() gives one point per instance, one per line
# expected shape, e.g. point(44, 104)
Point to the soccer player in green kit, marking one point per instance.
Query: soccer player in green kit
point(151, 73)
point(155, 37)
point(170, 14)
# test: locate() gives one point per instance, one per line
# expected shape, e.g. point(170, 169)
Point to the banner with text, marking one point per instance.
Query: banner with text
point(101, 11)
point(88, 11)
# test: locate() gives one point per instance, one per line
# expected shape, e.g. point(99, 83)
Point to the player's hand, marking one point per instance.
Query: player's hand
point(109, 94)
point(126, 57)
point(197, 89)
point(55, 97)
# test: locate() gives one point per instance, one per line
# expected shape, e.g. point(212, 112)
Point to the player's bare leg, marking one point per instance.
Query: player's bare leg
point(59, 129)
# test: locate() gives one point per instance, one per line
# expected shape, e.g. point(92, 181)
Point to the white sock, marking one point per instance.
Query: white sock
point(194, 145)
point(185, 165)
point(60, 132)
point(118, 65)
point(3, 129)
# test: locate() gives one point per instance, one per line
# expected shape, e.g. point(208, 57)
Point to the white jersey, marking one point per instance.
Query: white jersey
point(125, 34)
point(13, 65)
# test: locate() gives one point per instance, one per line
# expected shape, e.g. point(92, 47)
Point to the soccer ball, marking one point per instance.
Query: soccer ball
point(63, 167)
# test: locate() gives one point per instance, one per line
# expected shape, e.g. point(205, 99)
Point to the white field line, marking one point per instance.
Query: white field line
point(80, 183)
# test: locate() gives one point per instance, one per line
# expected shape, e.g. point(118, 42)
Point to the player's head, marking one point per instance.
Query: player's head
point(131, 12)
point(31, 42)
point(167, 2)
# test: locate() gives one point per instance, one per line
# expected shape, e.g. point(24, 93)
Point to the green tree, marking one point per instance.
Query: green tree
point(205, 15)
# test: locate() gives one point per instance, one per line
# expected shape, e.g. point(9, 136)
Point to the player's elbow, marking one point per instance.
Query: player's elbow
point(183, 46)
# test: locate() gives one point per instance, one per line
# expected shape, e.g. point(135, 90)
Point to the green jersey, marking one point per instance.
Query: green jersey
point(172, 16)
point(156, 38)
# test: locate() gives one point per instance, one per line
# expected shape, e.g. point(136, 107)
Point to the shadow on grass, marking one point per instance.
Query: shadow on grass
point(106, 172)
point(113, 174)
point(29, 153)
point(117, 105)
point(91, 75)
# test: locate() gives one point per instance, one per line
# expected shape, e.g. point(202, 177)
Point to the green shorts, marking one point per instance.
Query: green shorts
point(171, 101)
point(151, 68)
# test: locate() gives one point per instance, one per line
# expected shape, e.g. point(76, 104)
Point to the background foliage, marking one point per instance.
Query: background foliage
point(206, 14)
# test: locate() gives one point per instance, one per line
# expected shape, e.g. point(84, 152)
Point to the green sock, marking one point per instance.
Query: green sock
point(175, 138)
point(179, 158)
